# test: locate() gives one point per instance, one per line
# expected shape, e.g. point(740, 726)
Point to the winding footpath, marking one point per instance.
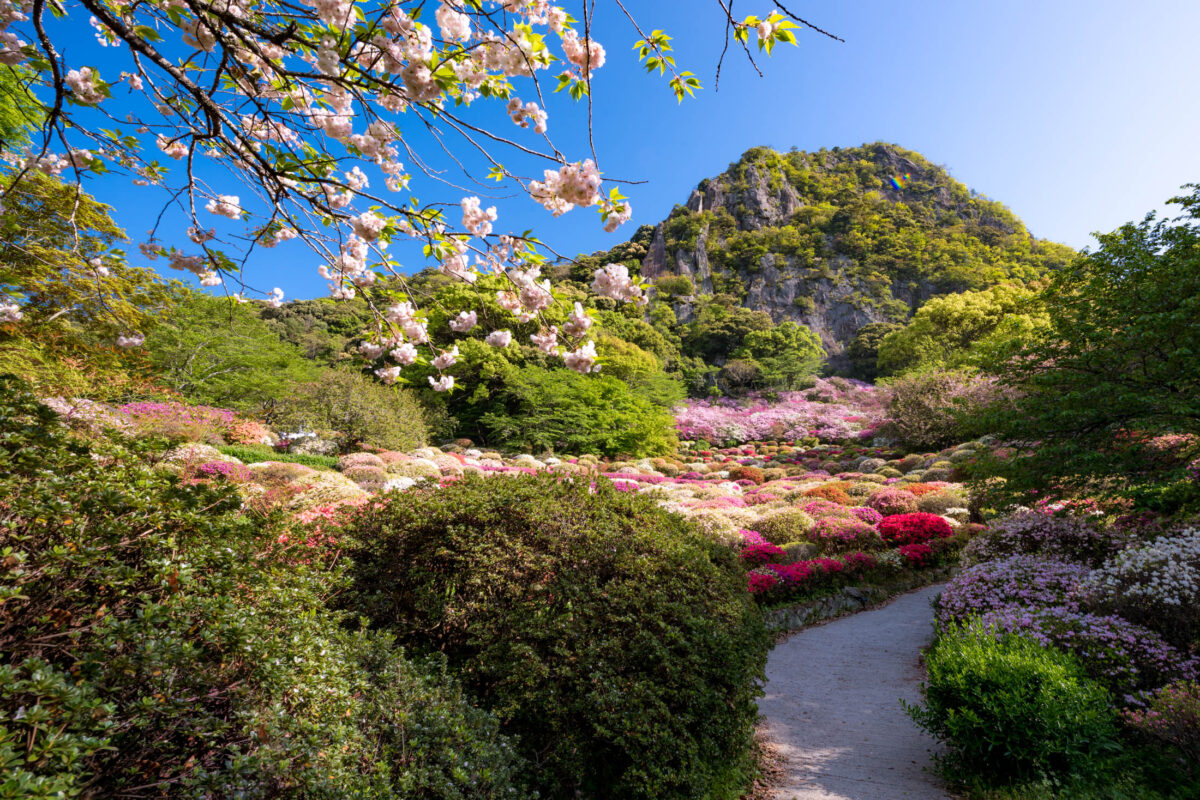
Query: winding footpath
point(832, 706)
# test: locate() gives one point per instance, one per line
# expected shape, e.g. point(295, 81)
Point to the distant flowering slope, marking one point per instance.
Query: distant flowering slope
point(833, 410)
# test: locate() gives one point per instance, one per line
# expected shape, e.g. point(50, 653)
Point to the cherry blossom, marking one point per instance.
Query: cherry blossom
point(443, 383)
point(583, 359)
point(465, 321)
point(130, 340)
point(502, 338)
point(225, 205)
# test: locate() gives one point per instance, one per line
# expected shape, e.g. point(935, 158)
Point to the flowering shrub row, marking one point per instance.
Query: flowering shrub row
point(833, 410)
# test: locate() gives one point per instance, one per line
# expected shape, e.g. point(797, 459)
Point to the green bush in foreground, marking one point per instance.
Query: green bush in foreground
point(613, 640)
point(1010, 710)
point(154, 643)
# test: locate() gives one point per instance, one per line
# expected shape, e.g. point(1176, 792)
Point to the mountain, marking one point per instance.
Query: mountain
point(835, 240)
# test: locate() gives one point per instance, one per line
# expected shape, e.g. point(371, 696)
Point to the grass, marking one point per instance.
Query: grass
point(253, 453)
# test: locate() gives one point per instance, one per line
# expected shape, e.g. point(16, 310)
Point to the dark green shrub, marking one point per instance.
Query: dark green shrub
point(155, 643)
point(254, 454)
point(614, 640)
point(1010, 709)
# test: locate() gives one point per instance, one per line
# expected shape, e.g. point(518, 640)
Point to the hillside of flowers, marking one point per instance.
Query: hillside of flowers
point(834, 409)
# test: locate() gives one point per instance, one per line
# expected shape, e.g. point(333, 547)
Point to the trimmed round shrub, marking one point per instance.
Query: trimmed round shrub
point(833, 492)
point(844, 534)
point(616, 642)
point(916, 528)
point(360, 460)
point(1009, 709)
point(784, 525)
point(1172, 717)
point(414, 469)
point(867, 515)
point(740, 473)
point(366, 476)
point(940, 502)
point(890, 500)
point(1016, 580)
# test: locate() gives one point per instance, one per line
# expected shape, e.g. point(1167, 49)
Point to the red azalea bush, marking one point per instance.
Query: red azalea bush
point(917, 555)
point(915, 528)
point(761, 553)
point(762, 582)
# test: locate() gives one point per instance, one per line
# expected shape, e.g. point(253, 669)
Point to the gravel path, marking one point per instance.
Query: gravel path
point(832, 706)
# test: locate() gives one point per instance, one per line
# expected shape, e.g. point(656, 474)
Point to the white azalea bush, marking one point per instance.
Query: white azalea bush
point(1156, 584)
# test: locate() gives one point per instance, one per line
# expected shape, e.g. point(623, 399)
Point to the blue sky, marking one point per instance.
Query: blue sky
point(1077, 115)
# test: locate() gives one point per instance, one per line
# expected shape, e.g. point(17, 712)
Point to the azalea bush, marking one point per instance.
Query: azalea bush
point(834, 410)
point(1156, 584)
point(1172, 717)
point(1123, 656)
point(1049, 535)
point(180, 421)
point(1027, 581)
point(919, 528)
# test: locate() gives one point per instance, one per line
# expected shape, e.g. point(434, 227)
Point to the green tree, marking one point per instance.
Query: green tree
point(60, 264)
point(1117, 364)
point(788, 354)
point(360, 410)
point(216, 351)
point(720, 327)
point(951, 330)
point(20, 112)
point(863, 350)
point(539, 409)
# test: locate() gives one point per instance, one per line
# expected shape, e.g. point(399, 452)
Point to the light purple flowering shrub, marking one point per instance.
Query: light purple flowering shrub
point(1017, 580)
point(1046, 535)
point(1125, 657)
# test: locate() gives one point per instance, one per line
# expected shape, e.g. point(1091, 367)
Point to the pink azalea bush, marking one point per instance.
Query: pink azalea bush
point(834, 410)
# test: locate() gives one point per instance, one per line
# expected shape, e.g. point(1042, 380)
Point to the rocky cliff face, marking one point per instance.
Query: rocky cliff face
point(835, 240)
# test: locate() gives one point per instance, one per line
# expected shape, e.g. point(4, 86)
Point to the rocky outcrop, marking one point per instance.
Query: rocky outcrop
point(838, 239)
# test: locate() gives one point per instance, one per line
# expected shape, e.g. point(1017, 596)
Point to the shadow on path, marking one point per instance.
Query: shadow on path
point(832, 706)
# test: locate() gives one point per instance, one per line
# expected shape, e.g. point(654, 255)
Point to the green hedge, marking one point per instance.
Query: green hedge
point(613, 640)
point(154, 643)
point(253, 454)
